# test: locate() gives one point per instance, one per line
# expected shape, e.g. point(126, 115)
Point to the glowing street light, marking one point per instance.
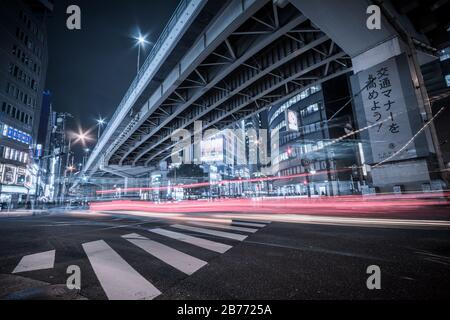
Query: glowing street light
point(80, 136)
point(141, 41)
point(100, 123)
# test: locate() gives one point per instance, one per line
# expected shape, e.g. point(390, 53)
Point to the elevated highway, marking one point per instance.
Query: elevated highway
point(247, 56)
point(222, 61)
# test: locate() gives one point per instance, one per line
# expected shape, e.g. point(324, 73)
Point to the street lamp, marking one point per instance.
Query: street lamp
point(100, 123)
point(81, 136)
point(86, 155)
point(141, 41)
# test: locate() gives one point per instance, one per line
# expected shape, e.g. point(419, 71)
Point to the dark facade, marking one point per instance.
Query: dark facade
point(436, 75)
point(23, 66)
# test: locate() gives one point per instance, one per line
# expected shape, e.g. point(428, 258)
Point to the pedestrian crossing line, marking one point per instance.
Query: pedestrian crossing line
point(177, 259)
point(36, 261)
point(249, 224)
point(222, 234)
point(199, 242)
point(222, 226)
point(119, 280)
point(265, 222)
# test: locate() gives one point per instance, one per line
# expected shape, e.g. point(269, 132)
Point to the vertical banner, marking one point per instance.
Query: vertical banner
point(387, 109)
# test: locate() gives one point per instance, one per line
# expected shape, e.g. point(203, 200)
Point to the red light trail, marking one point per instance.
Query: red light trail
point(223, 182)
point(435, 203)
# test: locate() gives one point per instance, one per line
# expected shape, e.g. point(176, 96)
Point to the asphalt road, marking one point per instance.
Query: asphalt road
point(276, 260)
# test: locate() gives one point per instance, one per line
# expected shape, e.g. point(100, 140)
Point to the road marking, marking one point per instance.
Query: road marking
point(37, 261)
point(222, 226)
point(203, 243)
point(248, 224)
point(177, 259)
point(254, 221)
point(118, 279)
point(222, 234)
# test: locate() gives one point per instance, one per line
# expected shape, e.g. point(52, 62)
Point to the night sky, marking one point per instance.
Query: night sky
point(90, 69)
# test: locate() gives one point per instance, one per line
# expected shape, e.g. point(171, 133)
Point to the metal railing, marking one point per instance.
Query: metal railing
point(163, 37)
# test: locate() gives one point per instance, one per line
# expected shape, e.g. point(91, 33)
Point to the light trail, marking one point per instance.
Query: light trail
point(223, 182)
point(229, 218)
point(352, 210)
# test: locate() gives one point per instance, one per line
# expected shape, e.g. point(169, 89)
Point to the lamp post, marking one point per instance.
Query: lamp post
point(81, 136)
point(140, 42)
point(100, 123)
point(86, 155)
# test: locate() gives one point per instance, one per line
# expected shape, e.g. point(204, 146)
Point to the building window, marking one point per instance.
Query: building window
point(444, 54)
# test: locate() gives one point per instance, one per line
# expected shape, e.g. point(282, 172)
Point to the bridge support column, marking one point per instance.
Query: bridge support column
point(399, 146)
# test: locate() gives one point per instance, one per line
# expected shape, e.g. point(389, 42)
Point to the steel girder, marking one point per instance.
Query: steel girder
point(250, 70)
point(245, 107)
point(308, 68)
point(234, 15)
point(237, 83)
point(239, 45)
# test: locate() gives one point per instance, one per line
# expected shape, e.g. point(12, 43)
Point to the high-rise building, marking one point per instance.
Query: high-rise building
point(23, 66)
point(309, 144)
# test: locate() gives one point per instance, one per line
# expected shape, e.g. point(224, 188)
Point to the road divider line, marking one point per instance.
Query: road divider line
point(199, 242)
point(222, 234)
point(222, 226)
point(177, 259)
point(118, 279)
point(37, 261)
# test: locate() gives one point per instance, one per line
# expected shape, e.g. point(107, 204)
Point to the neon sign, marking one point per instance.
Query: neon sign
point(16, 134)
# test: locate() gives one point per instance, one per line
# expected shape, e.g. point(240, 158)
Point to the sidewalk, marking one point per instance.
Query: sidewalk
point(22, 213)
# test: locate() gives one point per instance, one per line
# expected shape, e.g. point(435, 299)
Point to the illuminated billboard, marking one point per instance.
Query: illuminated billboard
point(292, 120)
point(15, 134)
point(212, 150)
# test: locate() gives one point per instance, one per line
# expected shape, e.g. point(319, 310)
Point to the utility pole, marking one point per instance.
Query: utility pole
point(62, 118)
point(63, 195)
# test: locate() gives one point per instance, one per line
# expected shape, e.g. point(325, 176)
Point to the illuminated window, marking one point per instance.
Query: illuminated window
point(444, 54)
point(7, 153)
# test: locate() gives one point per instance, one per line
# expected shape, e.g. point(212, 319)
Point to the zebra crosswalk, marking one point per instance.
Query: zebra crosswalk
point(177, 259)
point(223, 226)
point(121, 281)
point(216, 233)
point(199, 242)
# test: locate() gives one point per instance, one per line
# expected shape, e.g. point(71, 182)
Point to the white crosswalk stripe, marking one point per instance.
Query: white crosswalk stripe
point(118, 279)
point(200, 242)
point(222, 234)
point(249, 224)
point(177, 259)
point(37, 261)
point(222, 226)
point(256, 221)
